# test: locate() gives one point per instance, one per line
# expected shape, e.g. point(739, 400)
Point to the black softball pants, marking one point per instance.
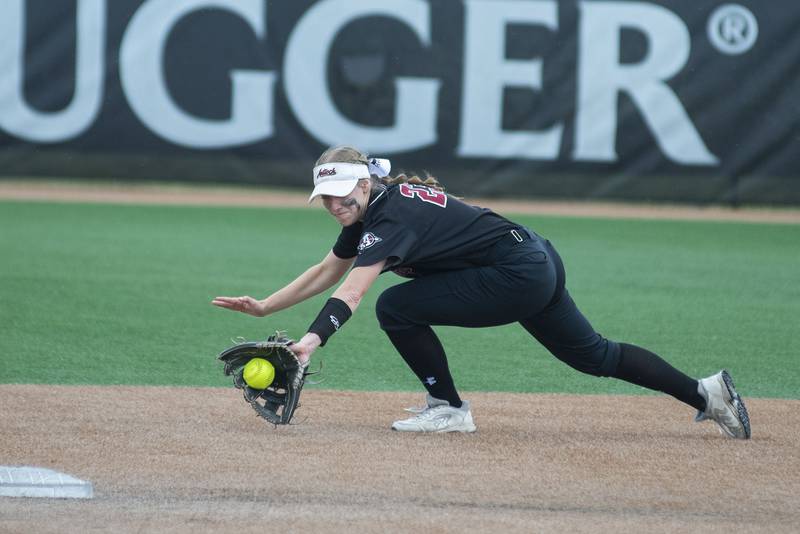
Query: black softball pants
point(523, 281)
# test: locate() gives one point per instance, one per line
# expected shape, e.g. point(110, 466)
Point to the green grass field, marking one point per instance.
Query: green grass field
point(102, 294)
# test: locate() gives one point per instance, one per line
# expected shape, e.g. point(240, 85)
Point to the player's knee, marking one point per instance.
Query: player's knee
point(387, 309)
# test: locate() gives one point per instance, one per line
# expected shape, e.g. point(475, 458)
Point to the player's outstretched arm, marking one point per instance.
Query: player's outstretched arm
point(313, 281)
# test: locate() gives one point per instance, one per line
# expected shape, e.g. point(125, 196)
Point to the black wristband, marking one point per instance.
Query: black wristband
point(330, 319)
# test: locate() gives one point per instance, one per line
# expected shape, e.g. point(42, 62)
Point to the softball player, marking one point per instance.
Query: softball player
point(468, 267)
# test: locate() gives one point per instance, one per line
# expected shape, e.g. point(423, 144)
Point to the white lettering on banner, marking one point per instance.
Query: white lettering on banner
point(601, 78)
point(487, 73)
point(306, 80)
point(141, 73)
point(17, 117)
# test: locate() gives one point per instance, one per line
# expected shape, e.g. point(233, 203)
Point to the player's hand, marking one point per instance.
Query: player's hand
point(247, 305)
point(304, 348)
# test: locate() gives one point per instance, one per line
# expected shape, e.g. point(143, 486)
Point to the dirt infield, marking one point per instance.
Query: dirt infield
point(250, 196)
point(197, 459)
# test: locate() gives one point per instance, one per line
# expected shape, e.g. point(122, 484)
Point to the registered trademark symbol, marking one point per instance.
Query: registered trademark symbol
point(732, 29)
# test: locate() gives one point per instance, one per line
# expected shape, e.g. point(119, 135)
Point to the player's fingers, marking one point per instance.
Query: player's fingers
point(242, 304)
point(224, 302)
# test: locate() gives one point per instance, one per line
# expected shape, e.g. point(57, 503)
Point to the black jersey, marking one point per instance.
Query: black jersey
point(419, 230)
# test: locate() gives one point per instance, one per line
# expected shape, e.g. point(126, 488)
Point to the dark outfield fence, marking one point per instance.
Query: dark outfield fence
point(690, 100)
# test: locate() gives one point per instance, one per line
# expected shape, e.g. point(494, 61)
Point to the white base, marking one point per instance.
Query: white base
point(40, 482)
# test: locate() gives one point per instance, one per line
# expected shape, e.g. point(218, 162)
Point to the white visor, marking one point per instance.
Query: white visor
point(337, 179)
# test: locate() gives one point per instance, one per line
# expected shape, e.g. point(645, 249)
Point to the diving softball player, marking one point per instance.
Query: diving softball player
point(468, 267)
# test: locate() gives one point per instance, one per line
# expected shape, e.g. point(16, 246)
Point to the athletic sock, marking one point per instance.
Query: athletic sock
point(641, 367)
point(424, 354)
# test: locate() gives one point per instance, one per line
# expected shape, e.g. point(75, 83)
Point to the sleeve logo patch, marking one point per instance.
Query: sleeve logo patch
point(334, 321)
point(367, 240)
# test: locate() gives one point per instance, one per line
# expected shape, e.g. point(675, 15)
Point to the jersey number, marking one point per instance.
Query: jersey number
point(424, 193)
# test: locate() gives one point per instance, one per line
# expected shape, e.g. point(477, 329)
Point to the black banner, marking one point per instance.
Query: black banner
point(692, 101)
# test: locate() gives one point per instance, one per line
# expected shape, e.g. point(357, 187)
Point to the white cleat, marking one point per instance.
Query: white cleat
point(437, 416)
point(724, 406)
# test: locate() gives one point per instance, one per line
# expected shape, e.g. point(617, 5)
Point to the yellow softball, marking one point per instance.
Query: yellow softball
point(258, 373)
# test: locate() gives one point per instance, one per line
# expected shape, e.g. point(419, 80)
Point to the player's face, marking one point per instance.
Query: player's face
point(350, 209)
